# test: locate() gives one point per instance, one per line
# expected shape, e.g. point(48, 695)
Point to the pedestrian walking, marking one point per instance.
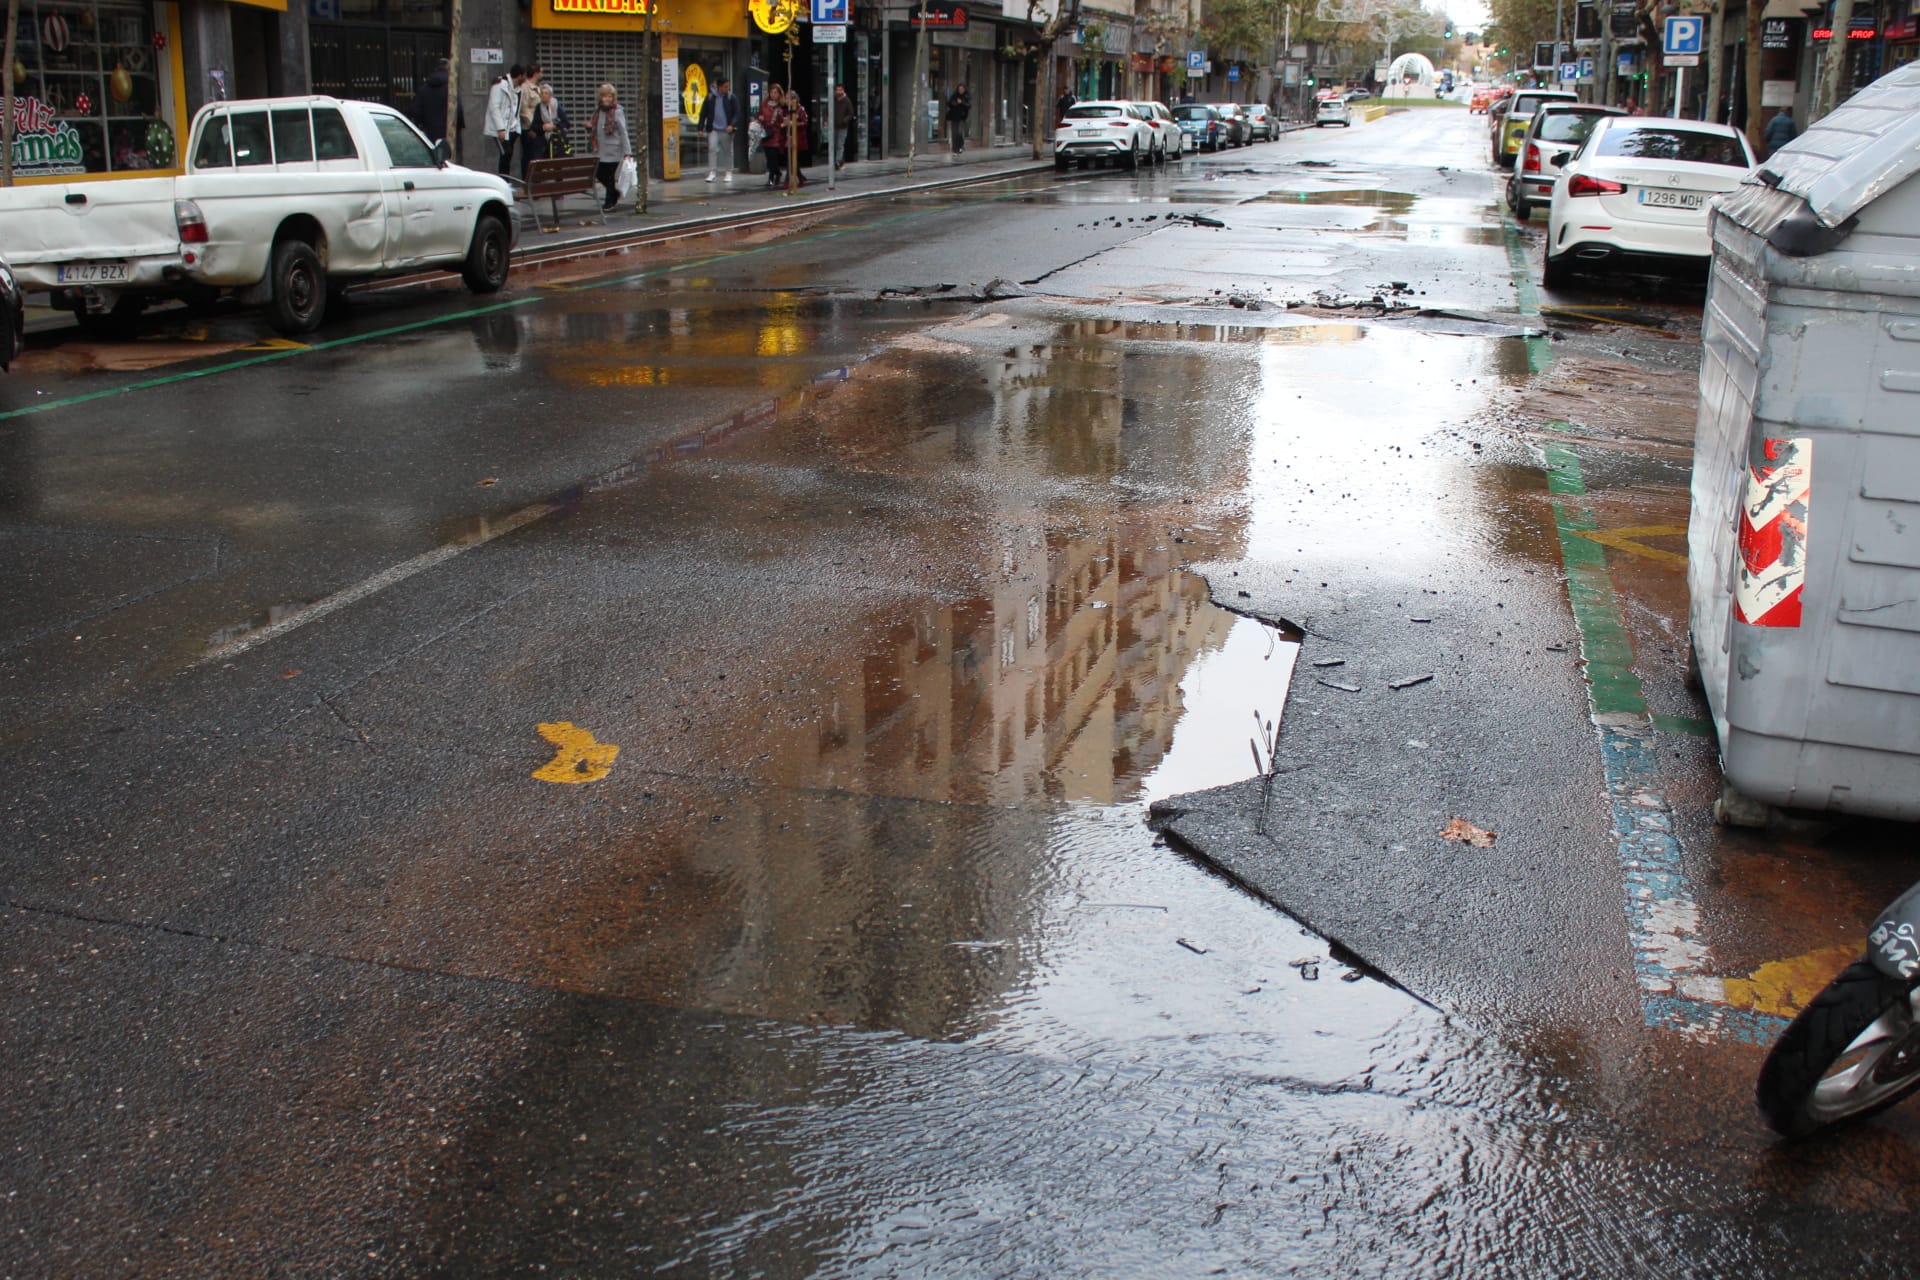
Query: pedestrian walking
point(503, 114)
point(1063, 104)
point(607, 133)
point(773, 119)
point(430, 106)
point(845, 122)
point(719, 119)
point(959, 107)
point(530, 141)
point(1780, 130)
point(551, 127)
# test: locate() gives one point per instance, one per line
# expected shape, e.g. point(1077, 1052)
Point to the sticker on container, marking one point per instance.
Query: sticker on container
point(1773, 535)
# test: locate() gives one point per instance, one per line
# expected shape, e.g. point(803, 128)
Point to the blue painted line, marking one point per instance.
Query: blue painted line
point(1671, 960)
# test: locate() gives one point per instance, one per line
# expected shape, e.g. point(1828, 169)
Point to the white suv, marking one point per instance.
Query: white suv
point(1333, 111)
point(1102, 131)
point(1170, 142)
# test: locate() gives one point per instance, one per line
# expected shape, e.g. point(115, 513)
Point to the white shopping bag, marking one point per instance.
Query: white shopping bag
point(627, 178)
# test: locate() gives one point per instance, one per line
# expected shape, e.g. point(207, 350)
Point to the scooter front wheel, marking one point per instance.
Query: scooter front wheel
point(1853, 1051)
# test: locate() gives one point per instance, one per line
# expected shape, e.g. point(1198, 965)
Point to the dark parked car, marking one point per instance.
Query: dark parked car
point(1236, 117)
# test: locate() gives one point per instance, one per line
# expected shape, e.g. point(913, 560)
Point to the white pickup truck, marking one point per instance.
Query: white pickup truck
point(284, 201)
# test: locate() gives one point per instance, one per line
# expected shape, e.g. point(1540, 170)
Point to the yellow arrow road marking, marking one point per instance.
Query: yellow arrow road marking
point(1628, 540)
point(578, 759)
point(1784, 987)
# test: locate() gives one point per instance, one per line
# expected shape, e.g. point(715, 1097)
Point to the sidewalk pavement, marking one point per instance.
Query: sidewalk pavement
point(690, 200)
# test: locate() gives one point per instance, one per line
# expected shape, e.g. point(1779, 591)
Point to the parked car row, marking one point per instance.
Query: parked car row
point(1133, 133)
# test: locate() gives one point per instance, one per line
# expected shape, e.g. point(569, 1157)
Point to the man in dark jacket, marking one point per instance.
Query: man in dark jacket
point(430, 106)
point(959, 107)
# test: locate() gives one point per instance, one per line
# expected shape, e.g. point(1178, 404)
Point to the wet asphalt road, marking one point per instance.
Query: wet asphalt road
point(649, 773)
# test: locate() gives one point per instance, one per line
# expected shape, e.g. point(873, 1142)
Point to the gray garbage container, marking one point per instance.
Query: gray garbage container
point(1804, 542)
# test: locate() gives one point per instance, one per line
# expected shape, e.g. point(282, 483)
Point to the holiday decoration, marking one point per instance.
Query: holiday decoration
point(160, 144)
point(83, 105)
point(120, 84)
point(54, 32)
point(159, 39)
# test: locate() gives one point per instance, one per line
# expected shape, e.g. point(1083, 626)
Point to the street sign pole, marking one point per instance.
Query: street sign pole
point(1679, 91)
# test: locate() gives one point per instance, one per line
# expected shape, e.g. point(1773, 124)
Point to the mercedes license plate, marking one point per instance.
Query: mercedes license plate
point(1673, 199)
point(94, 273)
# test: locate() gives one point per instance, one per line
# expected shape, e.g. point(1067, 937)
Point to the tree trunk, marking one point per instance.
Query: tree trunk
point(1756, 117)
point(1716, 22)
point(1834, 63)
point(919, 88)
point(1042, 102)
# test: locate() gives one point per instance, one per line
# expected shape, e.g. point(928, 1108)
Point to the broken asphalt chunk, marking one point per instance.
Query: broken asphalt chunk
point(1409, 682)
point(1468, 834)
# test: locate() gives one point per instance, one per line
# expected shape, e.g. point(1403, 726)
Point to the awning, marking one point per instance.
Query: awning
point(1790, 9)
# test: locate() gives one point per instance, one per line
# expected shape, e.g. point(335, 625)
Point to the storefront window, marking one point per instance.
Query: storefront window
point(92, 90)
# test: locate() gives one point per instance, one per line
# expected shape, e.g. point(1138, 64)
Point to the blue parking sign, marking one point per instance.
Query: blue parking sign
point(830, 11)
point(1684, 35)
point(1586, 68)
point(1197, 61)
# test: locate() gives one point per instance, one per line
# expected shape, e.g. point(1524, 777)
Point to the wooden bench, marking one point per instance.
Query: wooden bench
point(558, 177)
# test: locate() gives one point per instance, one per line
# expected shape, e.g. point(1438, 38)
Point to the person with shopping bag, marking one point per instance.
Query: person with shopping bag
point(612, 145)
point(773, 119)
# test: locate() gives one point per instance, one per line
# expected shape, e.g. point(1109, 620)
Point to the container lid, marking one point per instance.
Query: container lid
point(1860, 151)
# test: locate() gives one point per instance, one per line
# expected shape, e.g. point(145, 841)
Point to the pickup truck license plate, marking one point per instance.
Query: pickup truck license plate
point(94, 273)
point(1673, 199)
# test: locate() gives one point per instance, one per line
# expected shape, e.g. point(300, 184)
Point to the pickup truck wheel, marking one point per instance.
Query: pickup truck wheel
point(299, 288)
point(487, 256)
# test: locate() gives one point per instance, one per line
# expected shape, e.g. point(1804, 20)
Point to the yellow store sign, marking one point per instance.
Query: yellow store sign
point(726, 18)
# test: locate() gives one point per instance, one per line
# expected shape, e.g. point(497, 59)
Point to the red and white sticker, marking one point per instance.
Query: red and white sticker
point(1773, 535)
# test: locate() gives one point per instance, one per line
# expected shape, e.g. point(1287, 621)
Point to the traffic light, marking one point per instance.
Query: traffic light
point(1449, 34)
point(1309, 82)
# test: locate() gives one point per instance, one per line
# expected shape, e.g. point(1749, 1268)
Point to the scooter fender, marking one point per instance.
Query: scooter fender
point(1894, 943)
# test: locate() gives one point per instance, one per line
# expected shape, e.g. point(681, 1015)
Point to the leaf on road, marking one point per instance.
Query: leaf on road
point(1466, 833)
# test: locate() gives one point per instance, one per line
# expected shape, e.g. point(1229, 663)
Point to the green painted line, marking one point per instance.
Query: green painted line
point(1539, 349)
point(1683, 724)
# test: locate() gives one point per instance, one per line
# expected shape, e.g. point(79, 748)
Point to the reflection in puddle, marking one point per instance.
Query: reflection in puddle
point(1451, 233)
point(1391, 201)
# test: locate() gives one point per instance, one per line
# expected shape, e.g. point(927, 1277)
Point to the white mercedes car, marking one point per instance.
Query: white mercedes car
point(1636, 194)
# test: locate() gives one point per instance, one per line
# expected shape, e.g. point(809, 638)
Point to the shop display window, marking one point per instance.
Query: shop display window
point(93, 91)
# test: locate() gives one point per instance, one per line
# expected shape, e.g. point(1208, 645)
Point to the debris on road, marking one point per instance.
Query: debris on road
point(1344, 688)
point(1466, 833)
point(1196, 219)
point(1329, 662)
point(1199, 951)
point(1309, 969)
point(1409, 682)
